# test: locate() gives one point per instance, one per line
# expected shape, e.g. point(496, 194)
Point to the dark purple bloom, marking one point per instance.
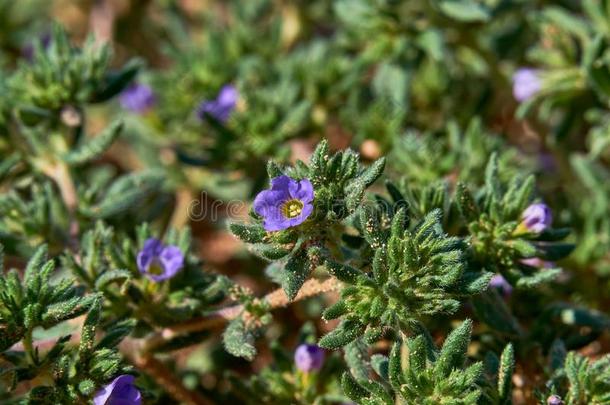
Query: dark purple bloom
point(499, 283)
point(138, 98)
point(547, 162)
point(309, 357)
point(28, 51)
point(220, 108)
point(158, 261)
point(537, 217)
point(121, 391)
point(554, 400)
point(526, 83)
point(288, 203)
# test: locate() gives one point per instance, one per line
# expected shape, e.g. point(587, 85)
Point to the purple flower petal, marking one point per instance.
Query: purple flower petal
point(498, 282)
point(228, 96)
point(159, 262)
point(309, 357)
point(288, 203)
point(138, 98)
point(172, 260)
point(526, 83)
point(554, 400)
point(283, 183)
point(537, 217)
point(121, 391)
point(266, 202)
point(303, 191)
point(537, 262)
point(152, 248)
point(220, 108)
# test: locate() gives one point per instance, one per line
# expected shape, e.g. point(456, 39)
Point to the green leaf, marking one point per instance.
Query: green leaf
point(238, 340)
point(373, 172)
point(491, 309)
point(347, 331)
point(95, 146)
point(352, 389)
point(92, 320)
point(270, 252)
point(466, 203)
point(116, 82)
point(453, 353)
point(465, 10)
point(111, 276)
point(295, 273)
point(505, 374)
point(343, 272)
point(248, 233)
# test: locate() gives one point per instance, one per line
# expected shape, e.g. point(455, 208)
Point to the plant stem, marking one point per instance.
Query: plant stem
point(60, 173)
point(162, 375)
point(28, 347)
point(275, 299)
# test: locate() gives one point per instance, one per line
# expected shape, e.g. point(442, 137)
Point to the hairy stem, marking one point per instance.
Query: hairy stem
point(60, 173)
point(164, 377)
point(275, 299)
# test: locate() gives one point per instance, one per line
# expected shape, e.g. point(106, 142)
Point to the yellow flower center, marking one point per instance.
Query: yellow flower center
point(292, 208)
point(155, 268)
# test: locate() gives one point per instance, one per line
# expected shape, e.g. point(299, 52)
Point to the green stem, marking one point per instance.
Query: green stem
point(28, 347)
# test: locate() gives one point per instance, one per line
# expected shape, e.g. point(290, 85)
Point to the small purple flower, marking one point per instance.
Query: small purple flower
point(537, 217)
point(220, 108)
point(288, 203)
point(138, 98)
point(554, 400)
point(121, 391)
point(498, 282)
point(158, 261)
point(309, 357)
point(526, 83)
point(28, 51)
point(537, 262)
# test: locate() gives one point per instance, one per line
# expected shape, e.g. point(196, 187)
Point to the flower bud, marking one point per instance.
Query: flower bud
point(554, 400)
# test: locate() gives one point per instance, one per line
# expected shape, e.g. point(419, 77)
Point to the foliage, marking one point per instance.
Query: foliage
point(416, 273)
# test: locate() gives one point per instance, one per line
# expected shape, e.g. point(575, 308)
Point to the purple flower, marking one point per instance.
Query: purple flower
point(537, 262)
point(537, 217)
point(28, 51)
point(309, 357)
point(526, 83)
point(158, 261)
point(288, 203)
point(220, 108)
point(121, 391)
point(554, 400)
point(138, 98)
point(498, 282)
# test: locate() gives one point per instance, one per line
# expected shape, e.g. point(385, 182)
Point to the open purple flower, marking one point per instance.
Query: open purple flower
point(526, 83)
point(288, 203)
point(138, 98)
point(158, 261)
point(220, 108)
point(537, 217)
point(121, 391)
point(499, 283)
point(309, 357)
